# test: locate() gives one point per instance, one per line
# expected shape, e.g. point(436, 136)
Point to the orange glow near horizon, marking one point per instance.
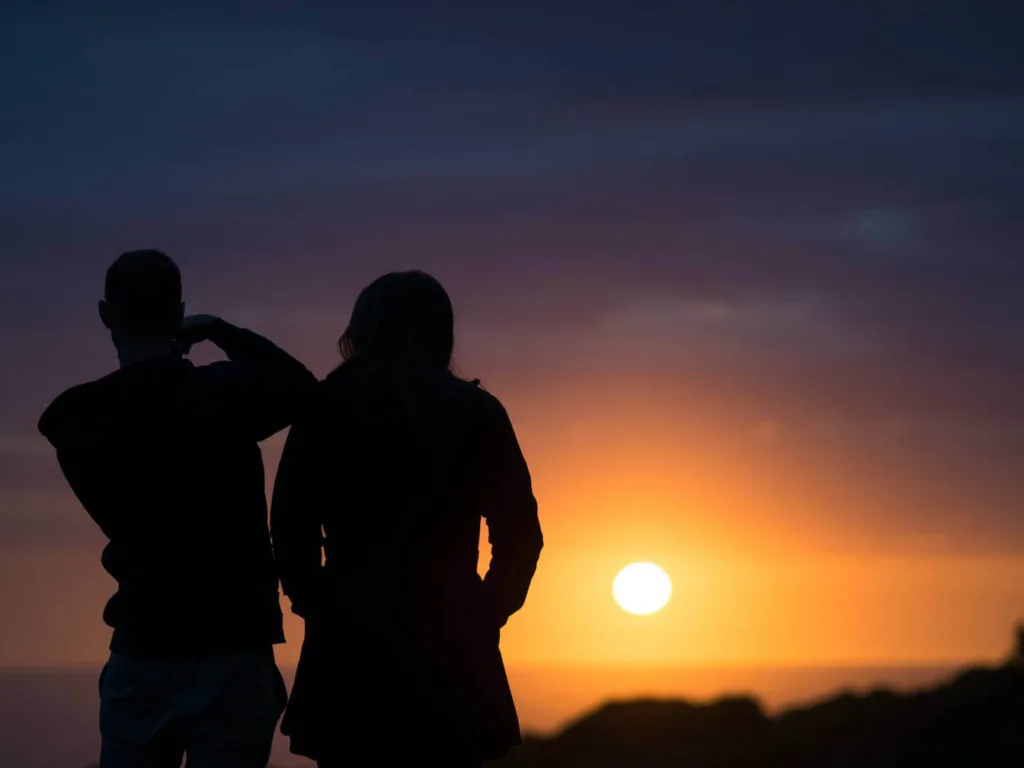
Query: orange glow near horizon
point(772, 560)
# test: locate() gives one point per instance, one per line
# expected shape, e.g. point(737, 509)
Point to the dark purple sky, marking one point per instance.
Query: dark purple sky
point(799, 213)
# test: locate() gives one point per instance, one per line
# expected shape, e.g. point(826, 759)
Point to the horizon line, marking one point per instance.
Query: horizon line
point(624, 666)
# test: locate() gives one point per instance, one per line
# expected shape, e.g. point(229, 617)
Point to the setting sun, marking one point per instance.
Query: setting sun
point(642, 588)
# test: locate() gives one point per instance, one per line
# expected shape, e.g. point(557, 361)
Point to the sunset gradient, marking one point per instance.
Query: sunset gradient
point(753, 306)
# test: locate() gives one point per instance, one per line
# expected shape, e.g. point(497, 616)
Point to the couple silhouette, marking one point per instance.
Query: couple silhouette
point(390, 464)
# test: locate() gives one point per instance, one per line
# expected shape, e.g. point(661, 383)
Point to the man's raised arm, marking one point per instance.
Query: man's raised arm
point(260, 388)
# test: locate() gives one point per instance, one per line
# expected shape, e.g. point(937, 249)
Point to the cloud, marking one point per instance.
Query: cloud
point(885, 228)
point(756, 329)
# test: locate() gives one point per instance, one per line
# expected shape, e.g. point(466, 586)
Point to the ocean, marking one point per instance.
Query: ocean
point(49, 716)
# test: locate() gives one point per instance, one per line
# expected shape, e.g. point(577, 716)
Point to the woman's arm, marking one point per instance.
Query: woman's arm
point(295, 525)
point(513, 527)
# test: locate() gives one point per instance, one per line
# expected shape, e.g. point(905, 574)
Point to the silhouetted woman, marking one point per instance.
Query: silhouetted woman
point(396, 462)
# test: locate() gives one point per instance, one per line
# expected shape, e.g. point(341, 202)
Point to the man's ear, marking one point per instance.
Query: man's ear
point(106, 314)
point(181, 312)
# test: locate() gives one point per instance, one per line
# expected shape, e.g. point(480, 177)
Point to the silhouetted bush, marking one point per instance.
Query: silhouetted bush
point(976, 719)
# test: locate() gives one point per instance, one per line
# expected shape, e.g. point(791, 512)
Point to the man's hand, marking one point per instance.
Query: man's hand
point(194, 329)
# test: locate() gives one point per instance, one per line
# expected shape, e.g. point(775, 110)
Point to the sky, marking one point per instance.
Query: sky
point(746, 275)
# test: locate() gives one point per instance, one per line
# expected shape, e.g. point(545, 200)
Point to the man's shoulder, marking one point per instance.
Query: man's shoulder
point(228, 371)
point(92, 403)
point(70, 407)
point(215, 376)
point(216, 368)
point(75, 396)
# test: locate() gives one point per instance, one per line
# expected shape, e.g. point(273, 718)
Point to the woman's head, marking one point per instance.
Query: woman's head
point(402, 318)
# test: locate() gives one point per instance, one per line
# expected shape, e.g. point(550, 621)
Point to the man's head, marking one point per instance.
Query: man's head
point(142, 297)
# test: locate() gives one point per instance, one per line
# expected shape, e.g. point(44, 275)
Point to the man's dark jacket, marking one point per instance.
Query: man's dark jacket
point(164, 456)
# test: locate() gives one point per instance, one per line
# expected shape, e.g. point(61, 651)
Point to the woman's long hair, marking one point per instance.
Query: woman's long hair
point(402, 321)
point(397, 350)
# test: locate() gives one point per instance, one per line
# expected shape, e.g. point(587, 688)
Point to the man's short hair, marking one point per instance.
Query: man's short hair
point(143, 289)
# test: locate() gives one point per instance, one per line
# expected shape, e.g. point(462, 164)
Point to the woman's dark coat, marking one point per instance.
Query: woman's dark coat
point(392, 474)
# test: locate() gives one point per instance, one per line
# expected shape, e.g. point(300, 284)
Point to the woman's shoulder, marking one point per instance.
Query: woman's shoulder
point(481, 404)
point(350, 382)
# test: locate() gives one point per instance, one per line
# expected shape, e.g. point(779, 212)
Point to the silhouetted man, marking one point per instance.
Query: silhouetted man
point(165, 457)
